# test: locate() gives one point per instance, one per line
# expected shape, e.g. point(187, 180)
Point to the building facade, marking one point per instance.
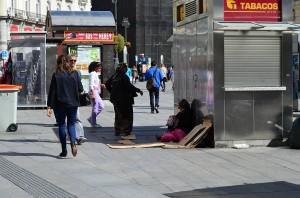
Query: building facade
point(296, 10)
point(30, 15)
point(150, 26)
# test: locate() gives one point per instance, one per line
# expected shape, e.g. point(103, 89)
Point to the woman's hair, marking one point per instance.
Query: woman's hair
point(184, 104)
point(93, 65)
point(63, 64)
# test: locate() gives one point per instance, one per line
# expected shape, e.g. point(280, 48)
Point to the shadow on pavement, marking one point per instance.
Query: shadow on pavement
point(262, 190)
point(106, 135)
point(26, 154)
point(37, 124)
point(30, 140)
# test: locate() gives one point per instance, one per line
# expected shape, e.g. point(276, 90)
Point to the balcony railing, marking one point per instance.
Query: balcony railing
point(31, 16)
point(19, 14)
point(15, 13)
point(82, 2)
point(41, 18)
point(28, 16)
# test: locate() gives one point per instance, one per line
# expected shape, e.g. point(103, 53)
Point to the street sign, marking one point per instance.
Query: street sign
point(4, 54)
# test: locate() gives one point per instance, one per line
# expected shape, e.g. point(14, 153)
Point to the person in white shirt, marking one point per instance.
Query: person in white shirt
point(164, 72)
point(94, 90)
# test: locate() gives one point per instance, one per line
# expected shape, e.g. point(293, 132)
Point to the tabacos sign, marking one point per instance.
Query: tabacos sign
point(252, 10)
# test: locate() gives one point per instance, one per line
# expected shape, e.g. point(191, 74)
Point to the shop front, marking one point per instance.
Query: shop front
point(87, 34)
point(234, 59)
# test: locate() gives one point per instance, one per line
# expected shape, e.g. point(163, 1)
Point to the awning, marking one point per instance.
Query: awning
point(255, 26)
point(81, 18)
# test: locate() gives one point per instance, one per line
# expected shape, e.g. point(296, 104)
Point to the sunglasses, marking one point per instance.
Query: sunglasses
point(73, 60)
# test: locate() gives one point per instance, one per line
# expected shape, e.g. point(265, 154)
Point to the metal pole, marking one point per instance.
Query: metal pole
point(126, 24)
point(116, 29)
point(116, 16)
point(157, 52)
point(125, 34)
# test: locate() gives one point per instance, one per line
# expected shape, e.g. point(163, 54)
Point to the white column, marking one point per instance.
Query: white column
point(4, 7)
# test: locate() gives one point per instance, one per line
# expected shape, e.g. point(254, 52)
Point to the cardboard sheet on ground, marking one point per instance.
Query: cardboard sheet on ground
point(129, 137)
point(147, 145)
point(191, 140)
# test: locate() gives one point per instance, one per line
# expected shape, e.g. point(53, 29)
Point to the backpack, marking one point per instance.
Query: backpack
point(150, 82)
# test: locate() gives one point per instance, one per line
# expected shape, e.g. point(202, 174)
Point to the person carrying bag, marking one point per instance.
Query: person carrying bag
point(153, 76)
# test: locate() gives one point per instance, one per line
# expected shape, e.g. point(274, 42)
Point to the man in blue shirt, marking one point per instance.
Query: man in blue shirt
point(129, 73)
point(154, 92)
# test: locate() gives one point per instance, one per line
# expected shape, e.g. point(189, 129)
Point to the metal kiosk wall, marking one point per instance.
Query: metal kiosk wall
point(235, 57)
point(87, 34)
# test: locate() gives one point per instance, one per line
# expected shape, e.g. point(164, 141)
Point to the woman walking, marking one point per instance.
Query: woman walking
point(164, 72)
point(63, 95)
point(122, 93)
point(94, 91)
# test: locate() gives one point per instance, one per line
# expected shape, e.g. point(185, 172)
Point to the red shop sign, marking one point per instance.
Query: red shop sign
point(252, 10)
point(27, 29)
point(14, 28)
point(89, 36)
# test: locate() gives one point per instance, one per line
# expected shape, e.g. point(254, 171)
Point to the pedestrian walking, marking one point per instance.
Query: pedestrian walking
point(129, 73)
point(122, 94)
point(156, 74)
point(63, 95)
point(164, 72)
point(80, 139)
point(135, 74)
point(94, 91)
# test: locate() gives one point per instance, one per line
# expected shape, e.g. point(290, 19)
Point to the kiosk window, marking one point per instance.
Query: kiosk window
point(252, 61)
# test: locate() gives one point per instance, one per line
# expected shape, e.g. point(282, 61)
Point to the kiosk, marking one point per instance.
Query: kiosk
point(234, 59)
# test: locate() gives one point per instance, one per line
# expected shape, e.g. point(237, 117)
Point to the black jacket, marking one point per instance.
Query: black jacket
point(64, 90)
point(121, 90)
point(185, 122)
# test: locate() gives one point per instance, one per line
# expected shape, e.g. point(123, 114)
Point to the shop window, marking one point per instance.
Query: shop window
point(58, 7)
point(202, 6)
point(180, 13)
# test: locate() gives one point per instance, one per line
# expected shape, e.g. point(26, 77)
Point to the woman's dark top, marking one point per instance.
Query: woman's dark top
point(185, 122)
point(64, 90)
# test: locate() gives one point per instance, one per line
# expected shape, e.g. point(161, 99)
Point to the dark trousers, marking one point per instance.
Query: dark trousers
point(70, 113)
point(163, 83)
point(154, 93)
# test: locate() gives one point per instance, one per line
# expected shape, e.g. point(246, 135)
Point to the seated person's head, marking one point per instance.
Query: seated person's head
point(184, 104)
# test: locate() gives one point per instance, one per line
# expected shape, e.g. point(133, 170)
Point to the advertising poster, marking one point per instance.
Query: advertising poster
point(85, 55)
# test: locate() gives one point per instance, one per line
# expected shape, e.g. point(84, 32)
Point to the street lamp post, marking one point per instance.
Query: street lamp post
point(116, 29)
point(157, 45)
point(126, 24)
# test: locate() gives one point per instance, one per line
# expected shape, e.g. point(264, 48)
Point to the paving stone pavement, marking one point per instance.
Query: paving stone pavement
point(30, 155)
